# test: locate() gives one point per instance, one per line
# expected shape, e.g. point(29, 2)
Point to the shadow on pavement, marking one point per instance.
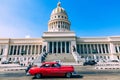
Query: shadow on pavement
point(77, 76)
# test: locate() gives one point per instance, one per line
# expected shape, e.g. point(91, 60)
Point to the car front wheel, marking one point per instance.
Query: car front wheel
point(68, 75)
point(38, 76)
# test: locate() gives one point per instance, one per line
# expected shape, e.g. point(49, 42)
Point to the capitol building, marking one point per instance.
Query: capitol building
point(60, 42)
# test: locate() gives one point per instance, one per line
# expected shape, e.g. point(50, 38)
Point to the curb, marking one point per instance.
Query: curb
point(13, 69)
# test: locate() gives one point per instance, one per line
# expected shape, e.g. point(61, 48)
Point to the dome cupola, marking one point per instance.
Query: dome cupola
point(58, 9)
point(58, 20)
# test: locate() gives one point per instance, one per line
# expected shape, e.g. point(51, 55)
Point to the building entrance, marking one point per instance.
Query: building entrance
point(59, 47)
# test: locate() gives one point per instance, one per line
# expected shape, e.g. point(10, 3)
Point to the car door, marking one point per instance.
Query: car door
point(46, 70)
point(56, 70)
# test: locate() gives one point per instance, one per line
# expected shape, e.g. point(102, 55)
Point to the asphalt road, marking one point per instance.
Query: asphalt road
point(83, 75)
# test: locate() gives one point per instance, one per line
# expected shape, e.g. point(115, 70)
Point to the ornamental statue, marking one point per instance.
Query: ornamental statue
point(74, 49)
point(44, 49)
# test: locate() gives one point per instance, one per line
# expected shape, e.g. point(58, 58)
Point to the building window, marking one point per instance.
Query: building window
point(58, 16)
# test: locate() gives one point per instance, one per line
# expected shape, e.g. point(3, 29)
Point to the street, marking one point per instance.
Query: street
point(84, 73)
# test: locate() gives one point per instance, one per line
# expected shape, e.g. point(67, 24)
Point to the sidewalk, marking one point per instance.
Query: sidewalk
point(11, 67)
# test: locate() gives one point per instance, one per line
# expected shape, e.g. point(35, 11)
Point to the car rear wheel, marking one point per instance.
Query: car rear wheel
point(38, 76)
point(68, 75)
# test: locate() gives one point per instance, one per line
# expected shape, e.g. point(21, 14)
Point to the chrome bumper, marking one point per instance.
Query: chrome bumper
point(28, 74)
point(74, 73)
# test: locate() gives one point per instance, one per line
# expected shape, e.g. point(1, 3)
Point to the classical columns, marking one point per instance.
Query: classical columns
point(65, 47)
point(35, 50)
point(38, 49)
point(59, 47)
point(16, 49)
point(112, 48)
point(56, 47)
point(13, 50)
point(27, 50)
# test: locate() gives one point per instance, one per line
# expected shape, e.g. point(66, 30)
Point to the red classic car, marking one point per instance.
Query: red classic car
point(51, 69)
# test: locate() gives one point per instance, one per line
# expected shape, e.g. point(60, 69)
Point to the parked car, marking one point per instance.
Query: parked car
point(51, 69)
point(90, 62)
point(5, 62)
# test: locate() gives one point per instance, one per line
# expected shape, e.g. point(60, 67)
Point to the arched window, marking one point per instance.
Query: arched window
point(65, 18)
point(58, 16)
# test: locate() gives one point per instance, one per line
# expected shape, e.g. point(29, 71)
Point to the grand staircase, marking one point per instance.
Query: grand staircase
point(68, 57)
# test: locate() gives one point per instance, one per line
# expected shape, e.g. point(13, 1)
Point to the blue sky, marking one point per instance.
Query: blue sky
point(89, 18)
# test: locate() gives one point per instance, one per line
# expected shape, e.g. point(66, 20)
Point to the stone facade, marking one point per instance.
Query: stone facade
point(59, 39)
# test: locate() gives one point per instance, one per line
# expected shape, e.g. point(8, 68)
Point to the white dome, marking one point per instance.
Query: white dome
point(58, 9)
point(58, 20)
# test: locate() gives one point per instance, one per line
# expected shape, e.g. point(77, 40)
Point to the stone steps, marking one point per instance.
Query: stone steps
point(62, 57)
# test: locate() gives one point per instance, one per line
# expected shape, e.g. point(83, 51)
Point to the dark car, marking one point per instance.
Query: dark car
point(91, 62)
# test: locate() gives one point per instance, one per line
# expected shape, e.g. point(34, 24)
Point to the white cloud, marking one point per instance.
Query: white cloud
point(27, 36)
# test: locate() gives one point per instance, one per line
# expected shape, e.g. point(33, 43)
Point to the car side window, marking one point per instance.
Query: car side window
point(55, 65)
point(46, 65)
